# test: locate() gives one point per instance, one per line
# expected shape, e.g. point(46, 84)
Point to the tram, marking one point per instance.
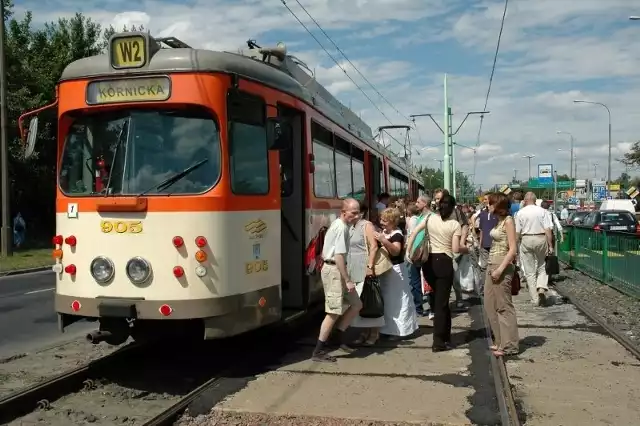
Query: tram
point(191, 182)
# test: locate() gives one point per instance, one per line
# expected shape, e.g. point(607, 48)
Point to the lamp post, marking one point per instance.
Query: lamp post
point(6, 242)
point(609, 159)
point(559, 132)
point(529, 157)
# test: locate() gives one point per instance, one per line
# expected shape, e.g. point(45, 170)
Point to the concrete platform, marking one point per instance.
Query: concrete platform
point(393, 381)
point(570, 372)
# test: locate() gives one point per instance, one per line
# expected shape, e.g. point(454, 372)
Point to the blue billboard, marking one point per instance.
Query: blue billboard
point(545, 173)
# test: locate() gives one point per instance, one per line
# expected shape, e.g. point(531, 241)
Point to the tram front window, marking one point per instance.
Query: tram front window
point(133, 151)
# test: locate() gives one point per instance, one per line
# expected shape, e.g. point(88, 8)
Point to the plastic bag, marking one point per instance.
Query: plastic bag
point(371, 297)
point(464, 275)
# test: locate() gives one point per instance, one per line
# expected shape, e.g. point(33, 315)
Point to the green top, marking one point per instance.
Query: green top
point(420, 235)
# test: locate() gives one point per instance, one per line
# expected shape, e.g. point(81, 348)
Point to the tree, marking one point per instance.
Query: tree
point(434, 178)
point(35, 59)
point(632, 158)
point(563, 178)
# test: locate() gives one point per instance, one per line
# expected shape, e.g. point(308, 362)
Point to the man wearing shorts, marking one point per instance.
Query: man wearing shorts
point(341, 301)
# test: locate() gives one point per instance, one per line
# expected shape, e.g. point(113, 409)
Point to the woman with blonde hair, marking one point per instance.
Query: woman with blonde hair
point(500, 271)
point(399, 310)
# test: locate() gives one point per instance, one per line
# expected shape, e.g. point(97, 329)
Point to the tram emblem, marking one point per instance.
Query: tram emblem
point(256, 229)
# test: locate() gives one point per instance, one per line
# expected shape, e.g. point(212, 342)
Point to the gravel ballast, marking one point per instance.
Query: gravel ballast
point(619, 310)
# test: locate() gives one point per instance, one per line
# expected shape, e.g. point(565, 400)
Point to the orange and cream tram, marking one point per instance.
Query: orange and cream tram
point(191, 182)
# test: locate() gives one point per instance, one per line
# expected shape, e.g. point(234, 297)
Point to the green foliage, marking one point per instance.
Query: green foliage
point(35, 59)
point(632, 158)
point(434, 179)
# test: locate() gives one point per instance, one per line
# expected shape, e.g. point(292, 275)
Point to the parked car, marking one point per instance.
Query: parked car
point(614, 221)
point(575, 218)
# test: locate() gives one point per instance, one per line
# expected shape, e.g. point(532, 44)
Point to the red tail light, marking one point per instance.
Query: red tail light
point(178, 271)
point(57, 240)
point(70, 269)
point(638, 228)
point(178, 242)
point(597, 228)
point(71, 240)
point(165, 310)
point(201, 241)
point(75, 305)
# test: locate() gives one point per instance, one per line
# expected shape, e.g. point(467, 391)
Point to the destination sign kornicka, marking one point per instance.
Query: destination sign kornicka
point(128, 90)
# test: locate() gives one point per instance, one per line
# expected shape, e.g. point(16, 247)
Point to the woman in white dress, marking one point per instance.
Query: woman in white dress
point(358, 261)
point(399, 309)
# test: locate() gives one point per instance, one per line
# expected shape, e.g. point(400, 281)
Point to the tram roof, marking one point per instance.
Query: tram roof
point(286, 75)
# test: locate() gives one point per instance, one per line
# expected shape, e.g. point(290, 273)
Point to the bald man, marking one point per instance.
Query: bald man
point(535, 228)
point(342, 303)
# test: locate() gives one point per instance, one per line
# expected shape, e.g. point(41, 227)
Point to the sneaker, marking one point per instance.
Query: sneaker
point(347, 348)
point(322, 356)
point(542, 299)
point(431, 315)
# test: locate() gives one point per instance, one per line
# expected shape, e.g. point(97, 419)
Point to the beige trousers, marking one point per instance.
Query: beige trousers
point(499, 307)
point(533, 251)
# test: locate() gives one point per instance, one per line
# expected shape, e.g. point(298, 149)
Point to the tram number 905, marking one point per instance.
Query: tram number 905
point(121, 226)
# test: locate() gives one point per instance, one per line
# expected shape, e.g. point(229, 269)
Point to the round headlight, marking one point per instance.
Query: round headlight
point(138, 270)
point(102, 269)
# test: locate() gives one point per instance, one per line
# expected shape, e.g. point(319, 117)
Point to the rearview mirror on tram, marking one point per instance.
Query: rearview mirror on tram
point(279, 134)
point(32, 135)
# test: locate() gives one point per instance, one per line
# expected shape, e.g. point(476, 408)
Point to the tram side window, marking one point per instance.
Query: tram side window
point(248, 151)
point(343, 175)
point(359, 191)
point(324, 175)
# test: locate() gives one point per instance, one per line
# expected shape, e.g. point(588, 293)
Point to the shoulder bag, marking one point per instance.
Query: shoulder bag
point(381, 261)
point(420, 255)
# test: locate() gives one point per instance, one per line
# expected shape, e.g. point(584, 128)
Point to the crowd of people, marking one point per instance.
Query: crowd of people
point(415, 252)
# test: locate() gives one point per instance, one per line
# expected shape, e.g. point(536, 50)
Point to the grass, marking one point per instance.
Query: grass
point(26, 259)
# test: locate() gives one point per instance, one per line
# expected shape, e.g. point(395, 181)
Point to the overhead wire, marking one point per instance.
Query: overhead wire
point(335, 60)
point(486, 100)
point(349, 61)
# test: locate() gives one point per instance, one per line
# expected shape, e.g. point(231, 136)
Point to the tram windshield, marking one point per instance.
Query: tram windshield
point(129, 152)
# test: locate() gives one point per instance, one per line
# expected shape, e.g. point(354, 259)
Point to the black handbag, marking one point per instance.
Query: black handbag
point(551, 265)
point(371, 297)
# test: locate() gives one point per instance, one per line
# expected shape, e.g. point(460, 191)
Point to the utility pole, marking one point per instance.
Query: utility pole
point(448, 133)
point(6, 240)
point(529, 157)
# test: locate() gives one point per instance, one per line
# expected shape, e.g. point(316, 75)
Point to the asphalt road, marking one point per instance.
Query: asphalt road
point(27, 318)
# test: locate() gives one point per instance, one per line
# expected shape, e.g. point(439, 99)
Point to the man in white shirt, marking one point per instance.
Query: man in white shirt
point(564, 213)
point(534, 227)
point(341, 301)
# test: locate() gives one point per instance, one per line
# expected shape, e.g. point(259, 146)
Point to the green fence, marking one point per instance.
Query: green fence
point(610, 257)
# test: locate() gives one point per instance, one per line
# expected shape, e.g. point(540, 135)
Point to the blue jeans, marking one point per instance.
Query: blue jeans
point(415, 282)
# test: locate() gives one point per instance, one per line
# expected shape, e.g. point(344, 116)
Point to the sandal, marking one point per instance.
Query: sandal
point(372, 339)
point(500, 353)
point(364, 337)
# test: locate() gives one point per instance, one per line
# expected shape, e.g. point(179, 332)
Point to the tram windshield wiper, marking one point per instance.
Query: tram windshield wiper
point(174, 178)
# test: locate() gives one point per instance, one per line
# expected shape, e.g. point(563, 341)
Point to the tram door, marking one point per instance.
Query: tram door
point(295, 291)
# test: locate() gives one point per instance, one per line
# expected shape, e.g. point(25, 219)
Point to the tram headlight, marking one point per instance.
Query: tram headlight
point(138, 270)
point(102, 269)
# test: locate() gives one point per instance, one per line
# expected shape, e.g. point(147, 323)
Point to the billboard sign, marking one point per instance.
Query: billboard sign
point(545, 173)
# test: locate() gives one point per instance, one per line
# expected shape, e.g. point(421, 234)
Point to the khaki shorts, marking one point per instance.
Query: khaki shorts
point(336, 297)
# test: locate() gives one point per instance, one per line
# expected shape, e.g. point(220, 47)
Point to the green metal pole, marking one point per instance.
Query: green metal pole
point(6, 237)
point(453, 169)
point(447, 139)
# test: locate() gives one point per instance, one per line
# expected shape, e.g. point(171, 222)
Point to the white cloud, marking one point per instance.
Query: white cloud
point(552, 52)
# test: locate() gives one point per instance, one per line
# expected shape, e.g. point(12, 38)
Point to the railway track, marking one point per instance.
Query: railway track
point(139, 385)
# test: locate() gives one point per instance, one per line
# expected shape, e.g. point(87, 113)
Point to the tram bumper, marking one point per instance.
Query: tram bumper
point(222, 316)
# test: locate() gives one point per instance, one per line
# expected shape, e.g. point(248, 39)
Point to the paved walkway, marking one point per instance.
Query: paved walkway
point(570, 372)
point(396, 382)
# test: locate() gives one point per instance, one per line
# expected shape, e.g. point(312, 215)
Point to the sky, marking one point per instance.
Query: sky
point(552, 52)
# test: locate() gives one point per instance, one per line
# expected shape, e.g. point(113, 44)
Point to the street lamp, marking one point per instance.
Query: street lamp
point(559, 132)
point(609, 161)
point(529, 157)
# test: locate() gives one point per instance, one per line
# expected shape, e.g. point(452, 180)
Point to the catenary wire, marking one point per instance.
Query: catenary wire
point(335, 61)
point(349, 61)
point(486, 100)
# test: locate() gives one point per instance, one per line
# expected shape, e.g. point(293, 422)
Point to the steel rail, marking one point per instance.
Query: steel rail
point(40, 395)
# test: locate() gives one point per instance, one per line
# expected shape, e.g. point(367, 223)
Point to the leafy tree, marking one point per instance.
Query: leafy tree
point(434, 178)
point(632, 158)
point(35, 59)
point(563, 178)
